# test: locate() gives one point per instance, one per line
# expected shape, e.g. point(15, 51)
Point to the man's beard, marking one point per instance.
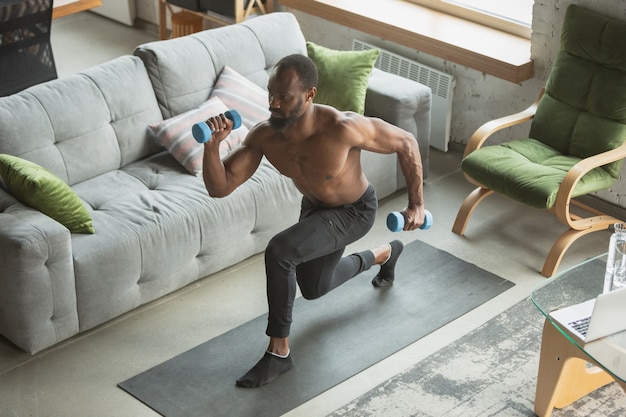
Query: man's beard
point(279, 123)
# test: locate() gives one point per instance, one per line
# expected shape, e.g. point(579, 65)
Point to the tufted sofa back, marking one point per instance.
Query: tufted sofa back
point(183, 73)
point(55, 123)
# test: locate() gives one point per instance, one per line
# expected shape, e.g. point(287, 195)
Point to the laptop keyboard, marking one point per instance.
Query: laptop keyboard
point(581, 325)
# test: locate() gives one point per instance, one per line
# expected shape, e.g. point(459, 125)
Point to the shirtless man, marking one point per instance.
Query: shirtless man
point(319, 148)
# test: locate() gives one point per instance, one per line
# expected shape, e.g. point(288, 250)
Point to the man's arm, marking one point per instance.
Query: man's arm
point(222, 177)
point(382, 137)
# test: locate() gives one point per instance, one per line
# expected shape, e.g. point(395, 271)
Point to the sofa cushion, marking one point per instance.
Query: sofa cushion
point(40, 189)
point(175, 135)
point(241, 94)
point(343, 76)
point(164, 231)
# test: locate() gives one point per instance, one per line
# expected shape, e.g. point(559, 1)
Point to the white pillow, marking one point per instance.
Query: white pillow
point(175, 135)
point(241, 94)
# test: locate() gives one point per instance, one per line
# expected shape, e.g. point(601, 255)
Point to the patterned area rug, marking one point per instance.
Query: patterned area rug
point(489, 372)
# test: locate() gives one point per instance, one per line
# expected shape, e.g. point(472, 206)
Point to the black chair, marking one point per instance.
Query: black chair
point(26, 55)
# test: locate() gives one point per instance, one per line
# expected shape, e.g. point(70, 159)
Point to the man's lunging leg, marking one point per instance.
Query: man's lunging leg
point(314, 283)
point(309, 254)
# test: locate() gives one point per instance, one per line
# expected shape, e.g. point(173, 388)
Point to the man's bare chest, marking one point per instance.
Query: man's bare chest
point(310, 162)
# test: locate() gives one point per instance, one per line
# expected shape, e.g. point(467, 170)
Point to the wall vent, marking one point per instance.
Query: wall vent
point(441, 84)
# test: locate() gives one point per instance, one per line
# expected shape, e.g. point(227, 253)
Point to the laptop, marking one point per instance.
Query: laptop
point(595, 318)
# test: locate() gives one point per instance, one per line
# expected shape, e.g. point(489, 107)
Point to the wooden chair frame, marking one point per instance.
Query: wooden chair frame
point(577, 226)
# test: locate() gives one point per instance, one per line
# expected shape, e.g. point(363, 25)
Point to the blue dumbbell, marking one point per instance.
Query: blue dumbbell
point(395, 221)
point(202, 132)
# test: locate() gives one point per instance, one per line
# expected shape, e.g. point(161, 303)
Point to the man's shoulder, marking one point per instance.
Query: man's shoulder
point(329, 111)
point(333, 118)
point(260, 130)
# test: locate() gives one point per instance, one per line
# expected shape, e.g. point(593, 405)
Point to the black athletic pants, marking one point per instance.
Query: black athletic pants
point(310, 253)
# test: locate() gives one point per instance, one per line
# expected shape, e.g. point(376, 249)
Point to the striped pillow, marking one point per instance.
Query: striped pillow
point(175, 135)
point(241, 94)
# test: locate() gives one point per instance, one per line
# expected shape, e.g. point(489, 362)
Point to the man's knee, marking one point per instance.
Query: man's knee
point(309, 286)
point(278, 248)
point(309, 295)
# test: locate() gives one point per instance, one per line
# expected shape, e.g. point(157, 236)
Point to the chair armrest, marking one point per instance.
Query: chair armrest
point(492, 126)
point(561, 205)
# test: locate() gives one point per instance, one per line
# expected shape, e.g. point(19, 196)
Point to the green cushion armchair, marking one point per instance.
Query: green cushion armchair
point(576, 143)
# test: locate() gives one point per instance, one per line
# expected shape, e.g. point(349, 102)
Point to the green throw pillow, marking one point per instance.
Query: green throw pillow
point(38, 188)
point(343, 76)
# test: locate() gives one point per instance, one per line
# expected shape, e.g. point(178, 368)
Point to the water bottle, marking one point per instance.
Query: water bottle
point(616, 255)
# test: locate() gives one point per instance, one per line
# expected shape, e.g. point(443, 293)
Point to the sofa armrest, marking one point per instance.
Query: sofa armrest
point(403, 103)
point(37, 289)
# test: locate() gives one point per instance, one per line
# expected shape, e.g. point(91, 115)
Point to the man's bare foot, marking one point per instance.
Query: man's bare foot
point(386, 275)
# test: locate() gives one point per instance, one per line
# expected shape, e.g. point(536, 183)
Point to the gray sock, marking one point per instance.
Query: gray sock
point(265, 371)
point(386, 275)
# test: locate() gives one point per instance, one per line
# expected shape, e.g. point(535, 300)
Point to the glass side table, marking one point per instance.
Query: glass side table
point(569, 369)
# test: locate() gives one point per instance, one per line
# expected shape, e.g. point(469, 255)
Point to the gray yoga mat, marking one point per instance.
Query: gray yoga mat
point(332, 339)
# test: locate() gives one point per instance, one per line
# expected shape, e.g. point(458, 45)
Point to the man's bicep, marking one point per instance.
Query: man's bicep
point(382, 137)
point(241, 163)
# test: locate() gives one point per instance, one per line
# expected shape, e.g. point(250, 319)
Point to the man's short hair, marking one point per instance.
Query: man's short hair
point(304, 66)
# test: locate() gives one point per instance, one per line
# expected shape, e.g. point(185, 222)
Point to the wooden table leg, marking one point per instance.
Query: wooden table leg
point(564, 375)
point(162, 19)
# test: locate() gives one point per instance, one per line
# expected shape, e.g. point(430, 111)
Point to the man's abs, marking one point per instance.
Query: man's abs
point(333, 193)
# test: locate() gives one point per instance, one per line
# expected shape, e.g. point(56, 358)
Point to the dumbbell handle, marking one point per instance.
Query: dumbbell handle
point(202, 132)
point(395, 221)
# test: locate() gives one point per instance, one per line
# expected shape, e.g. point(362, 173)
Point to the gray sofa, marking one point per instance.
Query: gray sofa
point(156, 229)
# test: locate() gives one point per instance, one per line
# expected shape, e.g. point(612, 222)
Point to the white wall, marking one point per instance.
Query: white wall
point(147, 10)
point(121, 10)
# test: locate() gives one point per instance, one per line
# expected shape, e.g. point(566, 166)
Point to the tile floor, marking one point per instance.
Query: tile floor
point(78, 378)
